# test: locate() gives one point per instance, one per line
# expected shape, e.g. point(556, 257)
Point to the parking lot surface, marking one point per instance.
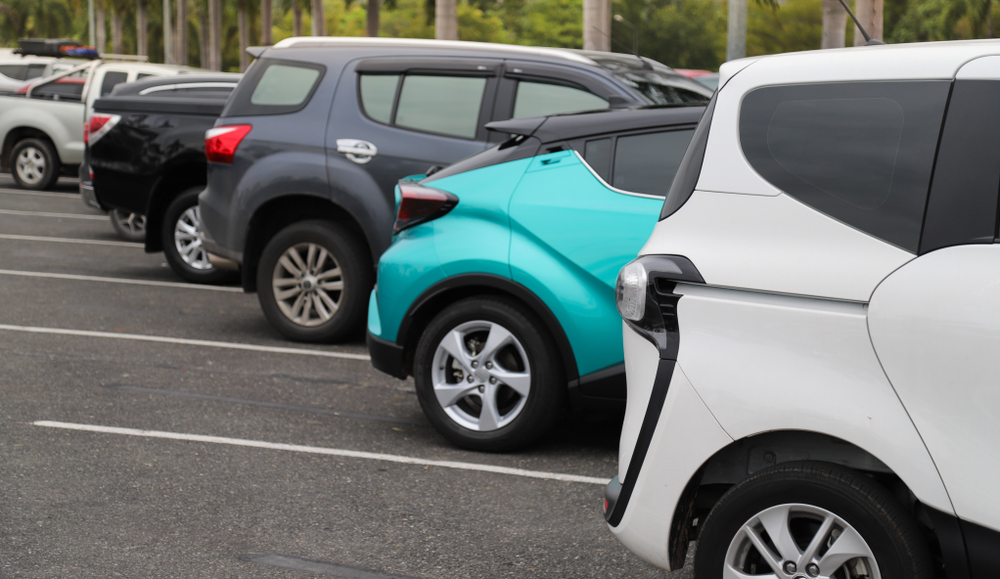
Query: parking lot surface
point(151, 428)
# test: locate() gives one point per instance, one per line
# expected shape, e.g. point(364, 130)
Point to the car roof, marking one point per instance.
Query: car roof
point(136, 88)
point(576, 125)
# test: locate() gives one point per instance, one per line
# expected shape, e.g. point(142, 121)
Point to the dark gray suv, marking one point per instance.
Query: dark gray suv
point(303, 160)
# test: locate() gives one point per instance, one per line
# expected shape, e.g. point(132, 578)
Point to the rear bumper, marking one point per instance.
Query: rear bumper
point(386, 356)
point(88, 196)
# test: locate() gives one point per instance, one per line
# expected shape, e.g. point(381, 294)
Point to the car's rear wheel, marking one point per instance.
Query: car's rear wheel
point(182, 236)
point(487, 376)
point(128, 226)
point(810, 520)
point(34, 164)
point(313, 282)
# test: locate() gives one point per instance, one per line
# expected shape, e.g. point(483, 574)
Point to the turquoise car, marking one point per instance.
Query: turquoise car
point(497, 293)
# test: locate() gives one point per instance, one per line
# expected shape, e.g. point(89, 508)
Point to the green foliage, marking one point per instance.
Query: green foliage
point(796, 25)
point(679, 33)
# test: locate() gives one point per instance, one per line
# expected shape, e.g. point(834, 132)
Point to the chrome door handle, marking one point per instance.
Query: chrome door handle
point(360, 152)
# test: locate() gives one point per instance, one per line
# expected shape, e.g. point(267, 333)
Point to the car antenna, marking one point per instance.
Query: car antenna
point(869, 41)
point(643, 61)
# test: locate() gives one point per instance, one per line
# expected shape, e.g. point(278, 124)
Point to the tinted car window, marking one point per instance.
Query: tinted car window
point(597, 153)
point(647, 163)
point(35, 71)
point(59, 91)
point(441, 104)
point(535, 99)
point(14, 71)
point(661, 88)
point(860, 152)
point(111, 80)
point(284, 85)
point(377, 94)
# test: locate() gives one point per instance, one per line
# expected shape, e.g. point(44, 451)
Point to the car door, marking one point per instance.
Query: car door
point(396, 117)
point(935, 322)
point(578, 215)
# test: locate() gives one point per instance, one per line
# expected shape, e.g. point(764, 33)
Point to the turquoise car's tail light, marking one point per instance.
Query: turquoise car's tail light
point(419, 204)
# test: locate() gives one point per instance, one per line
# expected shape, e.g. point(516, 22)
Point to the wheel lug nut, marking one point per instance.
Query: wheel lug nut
point(493, 380)
point(812, 569)
point(482, 388)
point(789, 567)
point(470, 378)
point(475, 364)
point(489, 365)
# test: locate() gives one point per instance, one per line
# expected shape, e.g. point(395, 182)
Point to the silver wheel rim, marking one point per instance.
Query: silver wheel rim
point(798, 541)
point(31, 165)
point(133, 223)
point(188, 238)
point(481, 376)
point(308, 284)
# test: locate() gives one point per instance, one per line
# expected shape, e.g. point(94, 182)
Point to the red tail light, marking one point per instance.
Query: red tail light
point(221, 142)
point(98, 126)
point(419, 204)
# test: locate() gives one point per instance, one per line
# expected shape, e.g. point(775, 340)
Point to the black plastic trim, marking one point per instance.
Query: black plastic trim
point(689, 171)
point(962, 206)
point(664, 373)
point(504, 285)
point(386, 356)
point(606, 383)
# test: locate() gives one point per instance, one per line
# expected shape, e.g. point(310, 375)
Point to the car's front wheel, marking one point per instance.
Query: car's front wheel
point(182, 237)
point(810, 520)
point(313, 282)
point(487, 375)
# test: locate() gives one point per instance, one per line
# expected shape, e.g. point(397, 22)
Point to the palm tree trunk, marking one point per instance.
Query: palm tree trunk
point(241, 16)
point(141, 43)
point(319, 19)
point(181, 48)
point(101, 37)
point(266, 23)
point(446, 19)
point(869, 13)
point(374, 17)
point(736, 39)
point(116, 32)
point(203, 37)
point(214, 31)
point(834, 23)
point(296, 18)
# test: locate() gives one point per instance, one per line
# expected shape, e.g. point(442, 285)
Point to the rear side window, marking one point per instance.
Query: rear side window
point(447, 105)
point(640, 163)
point(14, 71)
point(861, 153)
point(111, 80)
point(35, 71)
point(536, 99)
point(275, 87)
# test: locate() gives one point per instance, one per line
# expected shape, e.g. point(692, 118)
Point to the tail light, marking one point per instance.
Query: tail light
point(221, 142)
point(419, 204)
point(98, 126)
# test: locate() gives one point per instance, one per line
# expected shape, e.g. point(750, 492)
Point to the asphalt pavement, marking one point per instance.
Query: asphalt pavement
point(150, 428)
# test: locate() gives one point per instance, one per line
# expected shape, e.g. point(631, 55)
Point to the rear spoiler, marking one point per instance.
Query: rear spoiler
point(524, 126)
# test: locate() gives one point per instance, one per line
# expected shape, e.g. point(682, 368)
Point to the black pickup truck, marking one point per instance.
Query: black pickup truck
point(146, 151)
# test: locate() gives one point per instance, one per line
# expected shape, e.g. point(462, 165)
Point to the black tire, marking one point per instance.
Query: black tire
point(316, 320)
point(193, 266)
point(888, 530)
point(39, 169)
point(522, 419)
point(128, 226)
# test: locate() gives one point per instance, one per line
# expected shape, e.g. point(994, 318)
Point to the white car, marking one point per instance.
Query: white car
point(16, 71)
point(812, 332)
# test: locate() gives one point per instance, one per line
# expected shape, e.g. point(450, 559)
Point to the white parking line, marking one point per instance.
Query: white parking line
point(69, 240)
point(327, 451)
point(6, 191)
point(46, 214)
point(120, 280)
point(183, 341)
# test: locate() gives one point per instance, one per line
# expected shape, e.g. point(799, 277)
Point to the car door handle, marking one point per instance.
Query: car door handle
point(360, 152)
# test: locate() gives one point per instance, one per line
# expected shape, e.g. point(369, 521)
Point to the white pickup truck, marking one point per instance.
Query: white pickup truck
point(41, 128)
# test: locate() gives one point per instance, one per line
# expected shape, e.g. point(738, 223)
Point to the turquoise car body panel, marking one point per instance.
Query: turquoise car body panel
point(547, 223)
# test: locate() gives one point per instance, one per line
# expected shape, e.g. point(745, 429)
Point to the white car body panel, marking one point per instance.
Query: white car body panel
point(935, 324)
point(985, 68)
point(666, 471)
point(783, 246)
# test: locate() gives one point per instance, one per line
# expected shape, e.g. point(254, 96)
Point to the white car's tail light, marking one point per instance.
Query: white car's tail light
point(97, 126)
point(630, 291)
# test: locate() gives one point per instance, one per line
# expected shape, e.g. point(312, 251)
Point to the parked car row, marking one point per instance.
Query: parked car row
point(822, 232)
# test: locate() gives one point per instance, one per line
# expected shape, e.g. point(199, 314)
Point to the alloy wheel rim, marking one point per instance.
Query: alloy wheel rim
point(481, 376)
point(31, 165)
point(131, 222)
point(308, 284)
point(188, 238)
point(799, 541)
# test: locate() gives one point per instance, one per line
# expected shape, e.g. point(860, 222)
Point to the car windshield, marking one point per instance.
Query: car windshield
point(661, 88)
